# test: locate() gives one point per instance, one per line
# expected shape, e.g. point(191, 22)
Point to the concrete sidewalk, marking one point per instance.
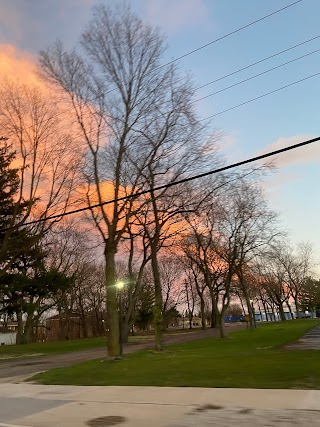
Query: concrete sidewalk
point(309, 341)
point(31, 405)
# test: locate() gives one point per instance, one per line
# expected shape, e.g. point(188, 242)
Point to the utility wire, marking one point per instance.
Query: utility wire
point(231, 33)
point(206, 84)
point(256, 63)
point(172, 184)
point(259, 97)
point(223, 37)
point(228, 109)
point(215, 41)
point(256, 75)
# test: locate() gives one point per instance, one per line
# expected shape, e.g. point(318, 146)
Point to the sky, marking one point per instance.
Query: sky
point(283, 118)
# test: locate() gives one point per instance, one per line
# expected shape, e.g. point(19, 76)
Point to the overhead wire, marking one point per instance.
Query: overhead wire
point(237, 71)
point(215, 41)
point(231, 33)
point(256, 75)
point(260, 96)
point(232, 107)
point(257, 62)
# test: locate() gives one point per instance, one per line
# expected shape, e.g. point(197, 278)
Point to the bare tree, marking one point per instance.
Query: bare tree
point(272, 277)
point(206, 250)
point(191, 296)
point(171, 274)
point(75, 253)
point(253, 227)
point(45, 156)
point(298, 266)
point(137, 121)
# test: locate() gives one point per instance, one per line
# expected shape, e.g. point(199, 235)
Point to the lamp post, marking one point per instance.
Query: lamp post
point(120, 286)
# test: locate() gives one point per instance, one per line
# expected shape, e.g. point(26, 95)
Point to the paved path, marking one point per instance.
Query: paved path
point(24, 405)
point(17, 369)
point(309, 341)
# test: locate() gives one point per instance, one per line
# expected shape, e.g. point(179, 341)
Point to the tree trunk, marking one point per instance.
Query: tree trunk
point(242, 306)
point(112, 301)
point(290, 310)
point(281, 312)
point(214, 311)
point(62, 324)
point(203, 317)
point(248, 303)
point(157, 308)
point(84, 326)
point(296, 302)
point(221, 322)
point(260, 312)
point(265, 310)
point(20, 328)
point(213, 318)
point(83, 321)
point(26, 336)
point(190, 321)
point(126, 329)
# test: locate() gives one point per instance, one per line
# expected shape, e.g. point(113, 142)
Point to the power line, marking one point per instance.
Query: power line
point(223, 37)
point(234, 106)
point(231, 33)
point(260, 96)
point(256, 75)
point(256, 63)
point(206, 84)
point(172, 184)
point(215, 41)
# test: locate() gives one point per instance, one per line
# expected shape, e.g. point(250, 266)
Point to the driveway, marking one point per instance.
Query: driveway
point(18, 369)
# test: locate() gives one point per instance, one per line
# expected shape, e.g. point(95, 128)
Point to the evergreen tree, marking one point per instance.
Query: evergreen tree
point(13, 210)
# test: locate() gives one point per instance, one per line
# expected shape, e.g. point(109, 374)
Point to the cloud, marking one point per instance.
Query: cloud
point(172, 15)
point(16, 64)
point(34, 24)
point(289, 165)
point(299, 156)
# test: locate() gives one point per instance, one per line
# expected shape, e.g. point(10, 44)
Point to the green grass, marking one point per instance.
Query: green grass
point(56, 347)
point(250, 359)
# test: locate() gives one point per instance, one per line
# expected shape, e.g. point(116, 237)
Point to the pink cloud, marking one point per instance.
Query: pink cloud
point(17, 64)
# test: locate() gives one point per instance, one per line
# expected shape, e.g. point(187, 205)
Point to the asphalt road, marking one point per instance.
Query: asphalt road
point(16, 369)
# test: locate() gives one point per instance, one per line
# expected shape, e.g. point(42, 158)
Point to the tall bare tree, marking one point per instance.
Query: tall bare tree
point(138, 123)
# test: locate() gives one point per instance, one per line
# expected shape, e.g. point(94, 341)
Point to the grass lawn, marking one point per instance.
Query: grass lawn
point(252, 359)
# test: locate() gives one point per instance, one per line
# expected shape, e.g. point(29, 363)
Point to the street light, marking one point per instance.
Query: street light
point(120, 286)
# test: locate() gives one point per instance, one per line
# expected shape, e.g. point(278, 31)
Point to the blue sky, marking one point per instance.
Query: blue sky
point(272, 122)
